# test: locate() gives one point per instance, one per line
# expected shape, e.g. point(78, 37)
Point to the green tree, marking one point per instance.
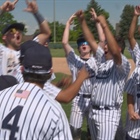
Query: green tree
point(126, 18)
point(91, 24)
point(59, 30)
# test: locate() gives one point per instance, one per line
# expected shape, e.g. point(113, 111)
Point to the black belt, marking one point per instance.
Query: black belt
point(84, 95)
point(100, 107)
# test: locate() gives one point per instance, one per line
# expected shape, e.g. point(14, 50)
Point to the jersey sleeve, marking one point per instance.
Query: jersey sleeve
point(72, 58)
point(92, 67)
point(74, 62)
point(130, 85)
point(51, 89)
point(135, 53)
point(52, 78)
point(36, 39)
point(124, 68)
point(99, 54)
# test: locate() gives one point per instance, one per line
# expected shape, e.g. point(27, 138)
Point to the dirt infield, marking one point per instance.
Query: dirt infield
point(60, 65)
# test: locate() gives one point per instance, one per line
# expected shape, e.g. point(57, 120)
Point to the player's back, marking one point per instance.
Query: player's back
point(26, 112)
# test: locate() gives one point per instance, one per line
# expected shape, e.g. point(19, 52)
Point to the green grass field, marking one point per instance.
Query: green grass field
point(60, 53)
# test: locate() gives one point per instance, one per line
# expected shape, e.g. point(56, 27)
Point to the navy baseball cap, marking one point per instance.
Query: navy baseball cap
point(23, 47)
point(35, 58)
point(18, 26)
point(80, 40)
point(7, 81)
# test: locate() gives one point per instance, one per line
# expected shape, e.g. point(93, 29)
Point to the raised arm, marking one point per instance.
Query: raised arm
point(99, 28)
point(132, 28)
point(7, 6)
point(66, 95)
point(45, 31)
point(112, 44)
point(87, 33)
point(65, 39)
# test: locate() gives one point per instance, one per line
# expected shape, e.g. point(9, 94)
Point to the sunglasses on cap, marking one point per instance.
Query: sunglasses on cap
point(13, 31)
point(82, 43)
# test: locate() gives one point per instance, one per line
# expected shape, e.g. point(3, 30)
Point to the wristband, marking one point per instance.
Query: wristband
point(39, 17)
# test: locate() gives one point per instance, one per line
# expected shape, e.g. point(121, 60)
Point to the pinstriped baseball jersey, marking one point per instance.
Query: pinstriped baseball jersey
point(80, 104)
point(107, 98)
point(9, 63)
point(135, 53)
point(51, 89)
point(75, 63)
point(133, 88)
point(27, 113)
point(110, 81)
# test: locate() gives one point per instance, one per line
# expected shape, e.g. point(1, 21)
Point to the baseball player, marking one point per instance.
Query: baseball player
point(132, 86)
point(63, 96)
point(12, 37)
point(80, 104)
point(26, 110)
point(107, 93)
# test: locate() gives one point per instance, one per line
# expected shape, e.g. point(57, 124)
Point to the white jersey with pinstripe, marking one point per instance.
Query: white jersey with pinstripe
point(27, 113)
point(135, 53)
point(107, 92)
point(110, 78)
point(133, 88)
point(80, 104)
point(9, 63)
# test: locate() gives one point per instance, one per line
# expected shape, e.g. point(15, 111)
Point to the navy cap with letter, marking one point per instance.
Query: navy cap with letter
point(35, 58)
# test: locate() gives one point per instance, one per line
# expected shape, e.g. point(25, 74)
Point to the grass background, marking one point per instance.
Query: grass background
point(59, 52)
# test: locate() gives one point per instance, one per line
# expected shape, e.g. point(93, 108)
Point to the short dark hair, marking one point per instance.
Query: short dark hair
point(36, 78)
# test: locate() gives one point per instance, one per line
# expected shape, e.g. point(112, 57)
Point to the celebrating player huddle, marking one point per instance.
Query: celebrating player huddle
point(29, 102)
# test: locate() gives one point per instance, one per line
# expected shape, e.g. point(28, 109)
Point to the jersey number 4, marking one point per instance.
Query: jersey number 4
point(12, 127)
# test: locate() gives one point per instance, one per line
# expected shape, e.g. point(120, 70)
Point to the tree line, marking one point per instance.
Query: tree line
point(121, 28)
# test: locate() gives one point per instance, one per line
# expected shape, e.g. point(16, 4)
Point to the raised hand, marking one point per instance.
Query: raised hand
point(31, 6)
point(8, 6)
point(93, 14)
point(80, 15)
point(137, 10)
point(83, 73)
point(102, 21)
point(70, 20)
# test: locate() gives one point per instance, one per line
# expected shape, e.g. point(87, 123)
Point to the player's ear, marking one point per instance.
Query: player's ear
point(21, 69)
point(4, 37)
point(51, 70)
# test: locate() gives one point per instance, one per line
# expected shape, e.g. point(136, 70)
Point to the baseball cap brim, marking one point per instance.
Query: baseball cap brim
point(18, 26)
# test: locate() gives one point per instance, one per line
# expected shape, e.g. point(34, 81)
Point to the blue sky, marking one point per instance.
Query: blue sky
point(65, 8)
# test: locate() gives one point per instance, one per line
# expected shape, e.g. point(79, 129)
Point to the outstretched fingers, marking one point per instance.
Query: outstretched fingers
point(14, 2)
